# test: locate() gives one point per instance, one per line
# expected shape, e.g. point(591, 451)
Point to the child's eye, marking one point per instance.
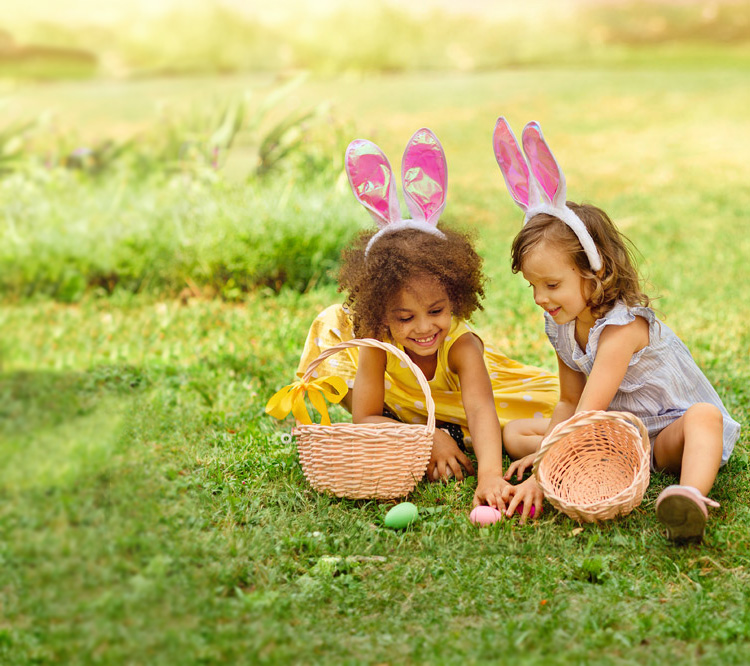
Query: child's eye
point(403, 320)
point(437, 311)
point(552, 286)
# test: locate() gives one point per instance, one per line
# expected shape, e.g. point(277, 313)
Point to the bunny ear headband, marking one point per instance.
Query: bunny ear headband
point(536, 182)
point(424, 175)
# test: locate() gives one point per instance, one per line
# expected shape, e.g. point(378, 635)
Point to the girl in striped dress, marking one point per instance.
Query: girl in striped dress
point(613, 353)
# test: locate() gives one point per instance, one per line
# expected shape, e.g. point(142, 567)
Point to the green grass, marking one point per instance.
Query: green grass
point(151, 513)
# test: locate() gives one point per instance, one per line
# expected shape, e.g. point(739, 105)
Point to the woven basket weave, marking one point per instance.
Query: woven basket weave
point(366, 460)
point(595, 465)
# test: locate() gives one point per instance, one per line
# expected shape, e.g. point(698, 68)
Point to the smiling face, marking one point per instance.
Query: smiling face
point(558, 286)
point(419, 317)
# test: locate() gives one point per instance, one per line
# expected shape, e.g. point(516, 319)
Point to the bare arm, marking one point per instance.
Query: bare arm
point(466, 358)
point(572, 386)
point(369, 387)
point(617, 344)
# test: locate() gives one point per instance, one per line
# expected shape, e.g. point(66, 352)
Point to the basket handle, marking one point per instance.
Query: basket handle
point(385, 346)
point(584, 418)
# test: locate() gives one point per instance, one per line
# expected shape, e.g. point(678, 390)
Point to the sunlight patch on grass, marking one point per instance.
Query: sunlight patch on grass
point(62, 454)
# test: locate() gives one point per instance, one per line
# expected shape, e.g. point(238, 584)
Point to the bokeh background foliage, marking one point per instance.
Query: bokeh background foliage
point(172, 208)
point(234, 37)
point(255, 109)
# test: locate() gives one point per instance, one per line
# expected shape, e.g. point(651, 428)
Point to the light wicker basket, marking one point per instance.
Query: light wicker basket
point(595, 465)
point(366, 460)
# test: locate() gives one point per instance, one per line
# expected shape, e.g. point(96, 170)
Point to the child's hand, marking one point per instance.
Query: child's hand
point(490, 490)
point(520, 466)
point(447, 459)
point(527, 492)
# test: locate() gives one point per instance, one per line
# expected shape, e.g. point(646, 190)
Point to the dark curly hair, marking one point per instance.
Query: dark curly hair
point(616, 280)
point(371, 283)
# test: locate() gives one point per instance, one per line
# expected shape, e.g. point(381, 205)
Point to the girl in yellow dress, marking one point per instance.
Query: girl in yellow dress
point(415, 286)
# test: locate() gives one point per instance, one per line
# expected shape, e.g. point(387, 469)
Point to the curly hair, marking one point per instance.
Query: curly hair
point(373, 282)
point(617, 279)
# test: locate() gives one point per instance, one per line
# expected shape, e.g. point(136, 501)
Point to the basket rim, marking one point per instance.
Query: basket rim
point(564, 428)
point(359, 426)
point(567, 427)
point(388, 348)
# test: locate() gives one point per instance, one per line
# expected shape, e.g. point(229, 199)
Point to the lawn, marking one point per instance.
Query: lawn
point(153, 514)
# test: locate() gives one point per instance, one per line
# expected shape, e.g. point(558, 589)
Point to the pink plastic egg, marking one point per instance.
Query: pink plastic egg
point(532, 511)
point(484, 515)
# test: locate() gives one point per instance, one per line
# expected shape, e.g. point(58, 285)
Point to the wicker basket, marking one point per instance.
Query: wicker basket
point(595, 465)
point(366, 460)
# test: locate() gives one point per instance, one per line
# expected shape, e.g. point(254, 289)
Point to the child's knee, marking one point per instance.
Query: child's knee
point(511, 429)
point(705, 414)
point(523, 436)
point(511, 435)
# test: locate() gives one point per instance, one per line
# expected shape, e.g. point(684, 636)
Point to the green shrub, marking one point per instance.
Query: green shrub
point(63, 235)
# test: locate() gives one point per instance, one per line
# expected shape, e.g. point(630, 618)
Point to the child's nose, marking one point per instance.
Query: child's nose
point(423, 326)
point(540, 298)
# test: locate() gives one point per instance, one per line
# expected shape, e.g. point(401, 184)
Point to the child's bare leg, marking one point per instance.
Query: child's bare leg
point(523, 436)
point(691, 447)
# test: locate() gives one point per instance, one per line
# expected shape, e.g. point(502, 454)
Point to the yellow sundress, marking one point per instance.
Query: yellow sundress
point(521, 391)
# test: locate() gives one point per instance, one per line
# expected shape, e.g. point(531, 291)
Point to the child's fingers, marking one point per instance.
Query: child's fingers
point(455, 467)
point(464, 460)
point(514, 502)
point(526, 511)
point(518, 467)
point(496, 500)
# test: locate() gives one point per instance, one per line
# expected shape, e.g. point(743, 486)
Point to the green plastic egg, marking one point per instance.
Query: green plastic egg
point(401, 515)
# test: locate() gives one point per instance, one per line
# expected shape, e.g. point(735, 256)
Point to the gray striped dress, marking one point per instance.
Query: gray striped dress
point(662, 379)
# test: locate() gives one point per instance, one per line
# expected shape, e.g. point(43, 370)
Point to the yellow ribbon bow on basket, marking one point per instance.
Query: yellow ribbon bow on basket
point(292, 399)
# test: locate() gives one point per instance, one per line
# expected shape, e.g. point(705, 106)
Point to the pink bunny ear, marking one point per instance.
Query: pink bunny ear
point(371, 178)
point(543, 164)
point(425, 176)
point(513, 165)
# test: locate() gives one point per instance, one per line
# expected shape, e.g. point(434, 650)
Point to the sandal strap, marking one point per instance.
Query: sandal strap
point(706, 500)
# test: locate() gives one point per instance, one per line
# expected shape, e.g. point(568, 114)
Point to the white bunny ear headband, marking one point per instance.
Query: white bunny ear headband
point(536, 182)
point(424, 175)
